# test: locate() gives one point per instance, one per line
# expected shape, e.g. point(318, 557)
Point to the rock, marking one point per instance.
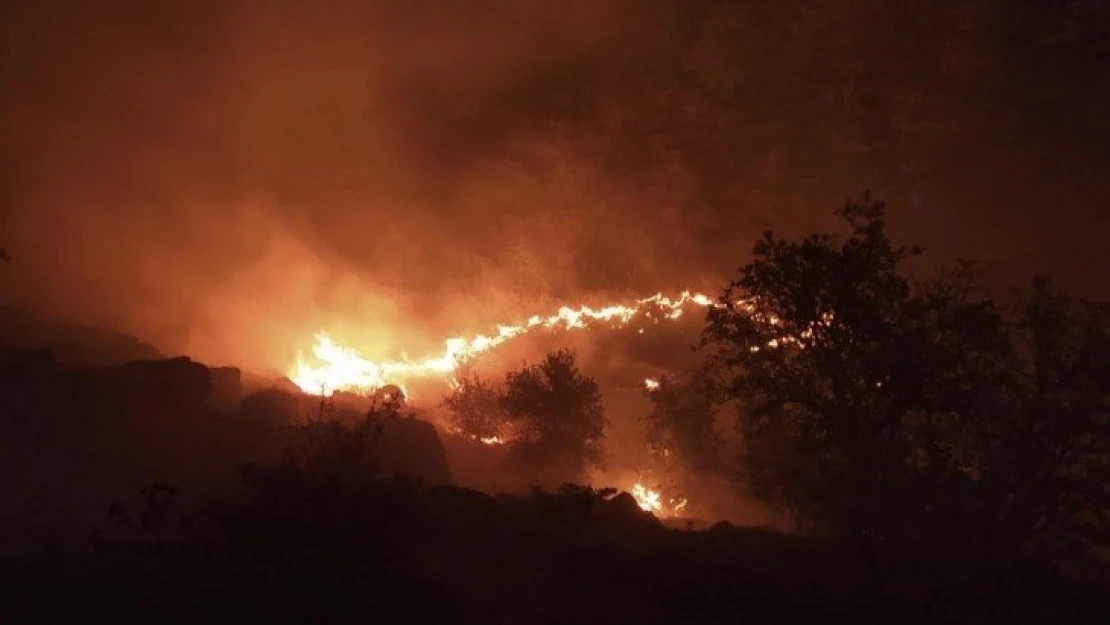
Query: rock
point(178, 382)
point(457, 506)
point(227, 386)
point(625, 505)
point(413, 448)
point(72, 344)
point(272, 405)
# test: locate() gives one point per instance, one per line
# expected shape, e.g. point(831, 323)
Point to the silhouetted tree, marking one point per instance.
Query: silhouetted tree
point(882, 406)
point(851, 376)
point(557, 415)
point(682, 423)
point(1048, 462)
point(475, 407)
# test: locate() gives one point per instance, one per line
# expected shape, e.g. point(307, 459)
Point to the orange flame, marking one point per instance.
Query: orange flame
point(647, 499)
point(334, 368)
point(652, 501)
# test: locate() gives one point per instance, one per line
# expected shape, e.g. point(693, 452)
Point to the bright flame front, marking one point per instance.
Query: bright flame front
point(334, 368)
point(652, 501)
point(647, 499)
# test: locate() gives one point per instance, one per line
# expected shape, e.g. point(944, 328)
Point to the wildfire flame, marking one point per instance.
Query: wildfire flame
point(334, 368)
point(648, 500)
point(652, 501)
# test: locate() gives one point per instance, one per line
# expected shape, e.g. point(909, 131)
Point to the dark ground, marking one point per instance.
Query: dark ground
point(293, 542)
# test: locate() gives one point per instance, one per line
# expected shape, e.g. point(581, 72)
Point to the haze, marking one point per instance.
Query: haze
point(223, 178)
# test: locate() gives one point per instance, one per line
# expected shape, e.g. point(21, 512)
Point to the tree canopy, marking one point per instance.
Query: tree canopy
point(550, 414)
point(475, 407)
point(876, 403)
point(557, 413)
point(682, 423)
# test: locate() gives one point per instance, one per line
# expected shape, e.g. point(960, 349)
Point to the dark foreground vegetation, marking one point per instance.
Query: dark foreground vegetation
point(311, 540)
point(943, 455)
point(917, 412)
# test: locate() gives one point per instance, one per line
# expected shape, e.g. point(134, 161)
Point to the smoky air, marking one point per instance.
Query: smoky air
point(686, 311)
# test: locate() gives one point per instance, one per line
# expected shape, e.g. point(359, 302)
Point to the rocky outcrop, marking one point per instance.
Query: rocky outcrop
point(176, 381)
point(171, 382)
point(227, 386)
point(274, 405)
point(412, 447)
point(458, 507)
point(71, 344)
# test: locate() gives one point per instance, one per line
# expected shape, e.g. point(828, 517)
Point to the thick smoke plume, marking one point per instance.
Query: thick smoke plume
point(226, 178)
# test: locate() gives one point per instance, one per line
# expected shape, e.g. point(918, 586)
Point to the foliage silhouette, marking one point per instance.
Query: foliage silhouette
point(318, 537)
point(475, 407)
point(557, 416)
point(682, 424)
point(1048, 464)
point(550, 415)
point(891, 409)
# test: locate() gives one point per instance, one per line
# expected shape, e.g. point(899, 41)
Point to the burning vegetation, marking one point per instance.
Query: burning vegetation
point(482, 410)
point(889, 424)
point(314, 195)
point(334, 368)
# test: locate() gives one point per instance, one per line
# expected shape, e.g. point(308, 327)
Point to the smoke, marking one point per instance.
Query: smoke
point(227, 178)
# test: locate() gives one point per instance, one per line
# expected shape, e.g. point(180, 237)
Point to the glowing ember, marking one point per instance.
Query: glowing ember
point(333, 368)
point(496, 439)
point(651, 384)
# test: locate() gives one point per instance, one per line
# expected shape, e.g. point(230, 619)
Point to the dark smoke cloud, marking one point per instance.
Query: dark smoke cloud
point(393, 171)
